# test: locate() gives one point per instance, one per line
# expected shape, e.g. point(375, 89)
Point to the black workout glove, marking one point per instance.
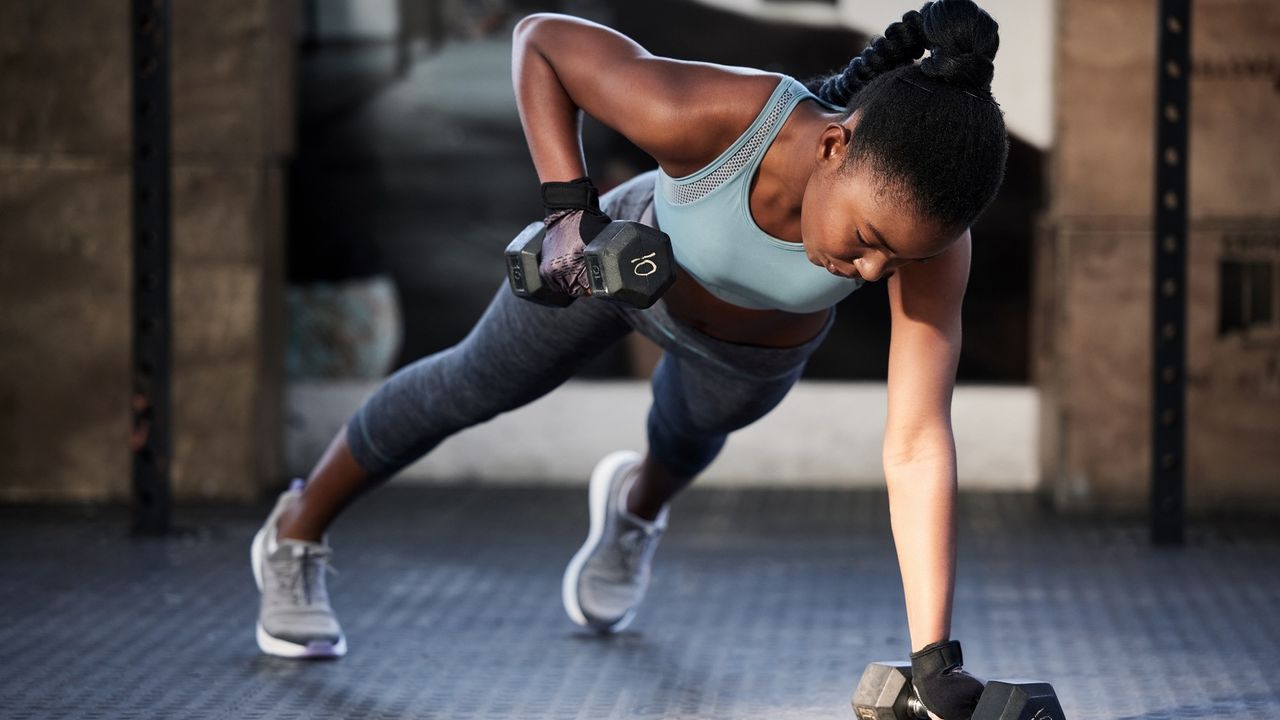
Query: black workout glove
point(573, 220)
point(942, 685)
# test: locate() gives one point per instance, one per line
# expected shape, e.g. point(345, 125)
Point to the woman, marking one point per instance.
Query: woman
point(780, 199)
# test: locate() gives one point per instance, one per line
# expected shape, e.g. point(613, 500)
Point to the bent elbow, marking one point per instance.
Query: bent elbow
point(529, 23)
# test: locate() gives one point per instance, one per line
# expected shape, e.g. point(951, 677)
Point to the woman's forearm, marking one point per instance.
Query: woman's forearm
point(922, 495)
point(550, 118)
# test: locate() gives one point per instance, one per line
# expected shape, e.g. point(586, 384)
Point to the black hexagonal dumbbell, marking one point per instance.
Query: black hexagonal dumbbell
point(885, 693)
point(1018, 700)
point(524, 254)
point(627, 262)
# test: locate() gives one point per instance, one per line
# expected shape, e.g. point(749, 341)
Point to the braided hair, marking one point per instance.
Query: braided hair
point(930, 132)
point(902, 43)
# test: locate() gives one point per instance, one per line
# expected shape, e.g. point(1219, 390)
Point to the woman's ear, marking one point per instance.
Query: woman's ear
point(834, 142)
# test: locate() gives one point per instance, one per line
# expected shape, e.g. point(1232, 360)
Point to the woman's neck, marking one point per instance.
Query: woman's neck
point(777, 192)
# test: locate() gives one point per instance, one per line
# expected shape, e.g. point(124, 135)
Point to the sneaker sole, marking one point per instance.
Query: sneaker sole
point(598, 501)
point(273, 645)
point(317, 649)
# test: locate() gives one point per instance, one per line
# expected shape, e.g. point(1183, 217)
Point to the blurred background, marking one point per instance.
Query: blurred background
point(346, 174)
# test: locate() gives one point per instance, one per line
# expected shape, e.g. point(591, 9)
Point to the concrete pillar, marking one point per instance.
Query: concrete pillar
point(65, 230)
point(1093, 279)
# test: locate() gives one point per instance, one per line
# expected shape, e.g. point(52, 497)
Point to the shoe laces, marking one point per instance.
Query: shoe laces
point(303, 574)
point(633, 544)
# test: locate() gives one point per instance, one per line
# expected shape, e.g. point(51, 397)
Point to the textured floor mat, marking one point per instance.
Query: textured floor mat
point(765, 604)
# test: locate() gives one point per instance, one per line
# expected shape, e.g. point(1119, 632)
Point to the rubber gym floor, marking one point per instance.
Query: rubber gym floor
point(764, 604)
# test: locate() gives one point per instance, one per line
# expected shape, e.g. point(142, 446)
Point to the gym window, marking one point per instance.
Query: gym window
point(1247, 298)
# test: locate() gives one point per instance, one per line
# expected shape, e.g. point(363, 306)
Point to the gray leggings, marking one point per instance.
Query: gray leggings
point(703, 388)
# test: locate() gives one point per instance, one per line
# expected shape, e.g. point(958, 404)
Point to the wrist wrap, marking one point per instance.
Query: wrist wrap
point(937, 658)
point(579, 194)
point(577, 198)
point(942, 684)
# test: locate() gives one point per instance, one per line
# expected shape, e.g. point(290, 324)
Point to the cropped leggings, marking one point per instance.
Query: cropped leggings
point(703, 388)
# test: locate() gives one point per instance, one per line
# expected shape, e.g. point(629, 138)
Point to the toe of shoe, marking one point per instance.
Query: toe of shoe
point(303, 628)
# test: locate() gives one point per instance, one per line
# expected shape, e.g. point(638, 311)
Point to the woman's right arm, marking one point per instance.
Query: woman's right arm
point(680, 113)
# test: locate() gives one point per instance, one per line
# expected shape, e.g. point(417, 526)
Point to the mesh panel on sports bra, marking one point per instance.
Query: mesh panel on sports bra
point(685, 193)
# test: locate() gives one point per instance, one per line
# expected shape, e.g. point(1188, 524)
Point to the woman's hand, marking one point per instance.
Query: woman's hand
point(564, 266)
point(573, 220)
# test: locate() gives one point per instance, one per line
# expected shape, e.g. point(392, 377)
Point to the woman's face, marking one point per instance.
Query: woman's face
point(853, 230)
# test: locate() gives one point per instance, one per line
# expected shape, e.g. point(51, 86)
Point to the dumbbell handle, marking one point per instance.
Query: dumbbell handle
point(916, 708)
point(609, 276)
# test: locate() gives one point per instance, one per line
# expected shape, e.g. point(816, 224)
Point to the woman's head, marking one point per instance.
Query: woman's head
point(923, 146)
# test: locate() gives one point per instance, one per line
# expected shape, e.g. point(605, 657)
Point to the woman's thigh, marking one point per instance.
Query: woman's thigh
point(705, 388)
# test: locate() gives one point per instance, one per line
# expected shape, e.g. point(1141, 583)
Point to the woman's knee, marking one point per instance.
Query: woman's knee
point(425, 402)
point(695, 408)
point(414, 410)
point(682, 451)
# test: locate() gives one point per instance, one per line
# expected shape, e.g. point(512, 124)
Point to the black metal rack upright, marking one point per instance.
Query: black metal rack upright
point(151, 161)
point(1169, 326)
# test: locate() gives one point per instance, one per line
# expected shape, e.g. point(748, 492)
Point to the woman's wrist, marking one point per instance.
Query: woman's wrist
point(941, 683)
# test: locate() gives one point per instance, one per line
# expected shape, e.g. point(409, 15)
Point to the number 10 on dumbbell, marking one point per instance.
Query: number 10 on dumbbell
point(627, 262)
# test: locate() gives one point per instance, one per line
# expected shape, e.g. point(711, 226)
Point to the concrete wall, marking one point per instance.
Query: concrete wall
point(1093, 296)
point(795, 445)
point(65, 245)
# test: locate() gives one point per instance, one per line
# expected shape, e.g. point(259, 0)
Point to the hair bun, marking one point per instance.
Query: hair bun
point(969, 69)
point(962, 40)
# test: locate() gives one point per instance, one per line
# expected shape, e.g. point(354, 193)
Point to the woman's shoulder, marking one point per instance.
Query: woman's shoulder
point(722, 103)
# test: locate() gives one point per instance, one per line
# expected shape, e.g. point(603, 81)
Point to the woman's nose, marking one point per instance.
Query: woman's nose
point(871, 267)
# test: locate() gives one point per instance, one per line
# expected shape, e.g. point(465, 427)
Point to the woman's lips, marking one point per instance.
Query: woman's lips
point(841, 270)
point(835, 267)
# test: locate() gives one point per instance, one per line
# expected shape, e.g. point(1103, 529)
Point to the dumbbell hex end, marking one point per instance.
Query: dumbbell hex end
point(884, 693)
point(523, 254)
point(1018, 699)
point(630, 263)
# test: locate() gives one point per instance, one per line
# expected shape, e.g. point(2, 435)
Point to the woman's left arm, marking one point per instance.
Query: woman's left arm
point(919, 448)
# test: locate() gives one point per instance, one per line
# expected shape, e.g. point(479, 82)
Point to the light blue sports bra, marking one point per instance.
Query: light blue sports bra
point(715, 239)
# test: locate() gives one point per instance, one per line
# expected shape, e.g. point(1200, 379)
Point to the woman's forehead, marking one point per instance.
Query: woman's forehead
point(888, 218)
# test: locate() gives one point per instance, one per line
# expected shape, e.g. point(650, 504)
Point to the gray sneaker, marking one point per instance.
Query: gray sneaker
point(294, 619)
point(607, 578)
